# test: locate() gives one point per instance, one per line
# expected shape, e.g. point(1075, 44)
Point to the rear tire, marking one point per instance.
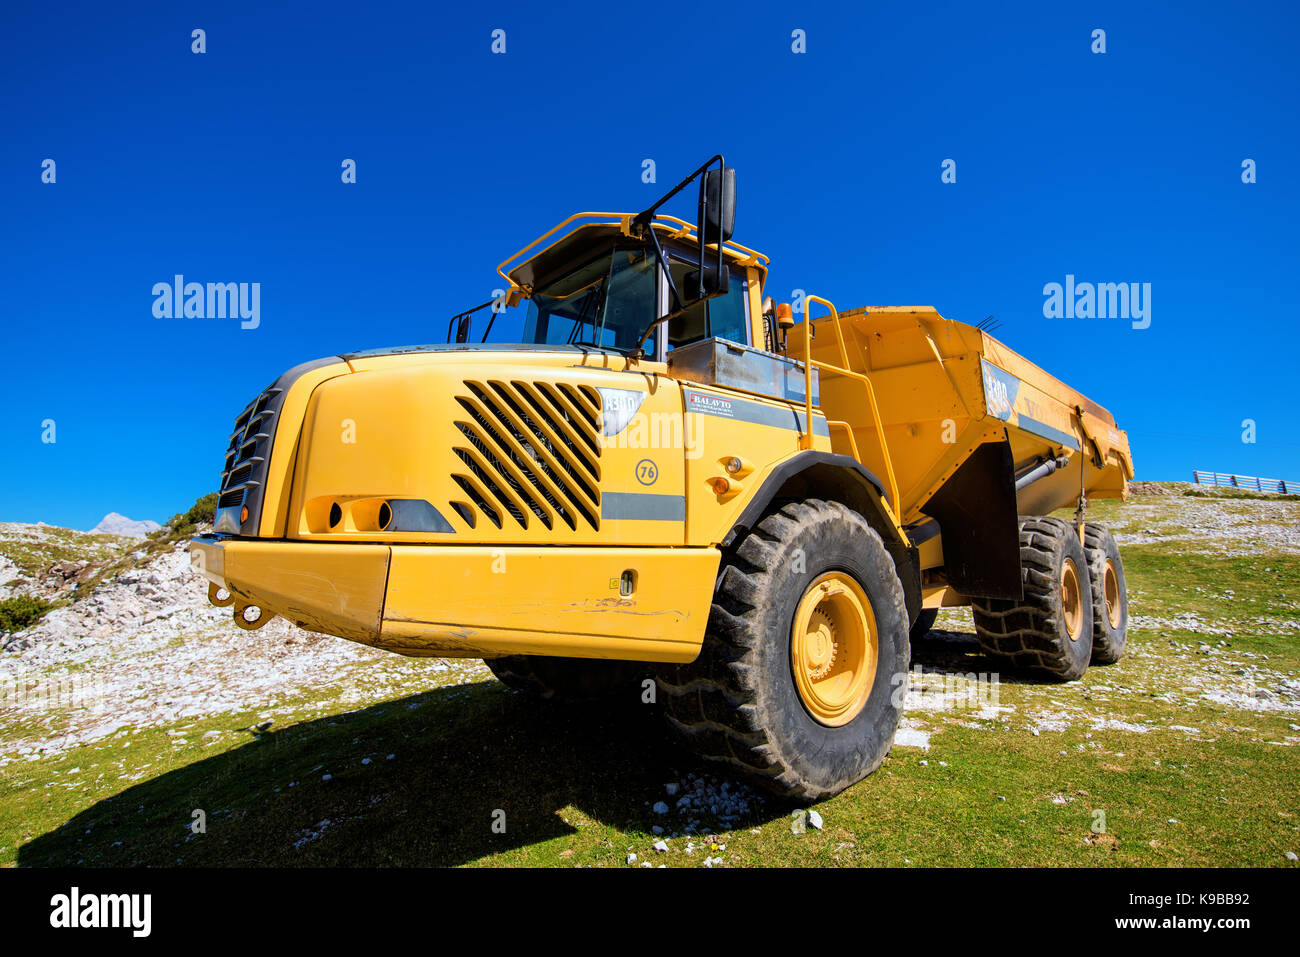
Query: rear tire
point(797, 684)
point(569, 679)
point(1049, 631)
point(1109, 594)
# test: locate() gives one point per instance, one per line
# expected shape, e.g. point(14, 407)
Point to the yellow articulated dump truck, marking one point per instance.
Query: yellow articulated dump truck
point(671, 477)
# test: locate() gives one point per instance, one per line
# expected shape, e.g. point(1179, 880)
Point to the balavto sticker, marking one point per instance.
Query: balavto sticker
point(710, 405)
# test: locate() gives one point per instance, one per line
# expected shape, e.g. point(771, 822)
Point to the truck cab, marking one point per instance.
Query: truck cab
point(630, 424)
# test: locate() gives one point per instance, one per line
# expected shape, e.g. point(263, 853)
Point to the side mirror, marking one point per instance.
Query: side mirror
point(717, 217)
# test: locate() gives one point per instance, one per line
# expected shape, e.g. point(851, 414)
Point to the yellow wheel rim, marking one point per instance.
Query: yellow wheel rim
point(834, 648)
point(1071, 600)
point(1111, 585)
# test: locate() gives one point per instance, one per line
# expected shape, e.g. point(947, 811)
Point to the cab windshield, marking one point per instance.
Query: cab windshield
point(606, 303)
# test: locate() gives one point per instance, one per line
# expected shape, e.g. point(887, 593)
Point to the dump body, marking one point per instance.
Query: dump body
point(944, 388)
point(950, 419)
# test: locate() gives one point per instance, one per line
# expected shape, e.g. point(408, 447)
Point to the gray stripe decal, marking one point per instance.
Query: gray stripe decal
point(742, 410)
point(1047, 432)
point(640, 506)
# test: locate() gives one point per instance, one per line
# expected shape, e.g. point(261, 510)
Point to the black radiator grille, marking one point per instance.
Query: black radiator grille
point(531, 453)
point(249, 448)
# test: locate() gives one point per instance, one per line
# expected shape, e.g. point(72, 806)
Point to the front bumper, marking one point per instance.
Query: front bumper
point(476, 602)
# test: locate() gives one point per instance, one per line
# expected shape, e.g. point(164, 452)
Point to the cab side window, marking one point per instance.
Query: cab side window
point(722, 317)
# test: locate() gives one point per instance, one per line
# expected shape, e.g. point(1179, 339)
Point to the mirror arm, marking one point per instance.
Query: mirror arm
point(639, 351)
point(643, 218)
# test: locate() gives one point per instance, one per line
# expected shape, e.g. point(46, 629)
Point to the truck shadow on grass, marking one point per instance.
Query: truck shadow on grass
point(418, 781)
point(959, 653)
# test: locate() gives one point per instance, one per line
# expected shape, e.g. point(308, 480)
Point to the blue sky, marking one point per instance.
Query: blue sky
point(1115, 167)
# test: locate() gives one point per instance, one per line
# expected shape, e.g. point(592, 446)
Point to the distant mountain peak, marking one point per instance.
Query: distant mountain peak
point(115, 524)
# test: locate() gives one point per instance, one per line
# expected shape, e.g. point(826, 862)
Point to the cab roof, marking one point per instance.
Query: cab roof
point(584, 240)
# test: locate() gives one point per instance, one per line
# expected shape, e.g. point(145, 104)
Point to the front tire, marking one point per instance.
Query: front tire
point(797, 686)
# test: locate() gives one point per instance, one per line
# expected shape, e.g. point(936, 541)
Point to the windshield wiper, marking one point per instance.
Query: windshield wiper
point(461, 323)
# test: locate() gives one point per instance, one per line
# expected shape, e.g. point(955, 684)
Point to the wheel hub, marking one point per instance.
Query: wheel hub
point(1111, 588)
point(1071, 600)
point(834, 648)
point(819, 646)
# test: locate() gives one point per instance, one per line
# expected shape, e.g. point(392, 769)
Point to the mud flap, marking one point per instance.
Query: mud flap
point(976, 512)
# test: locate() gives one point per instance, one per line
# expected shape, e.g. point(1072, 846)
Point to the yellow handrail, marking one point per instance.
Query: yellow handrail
point(805, 441)
point(550, 232)
point(848, 430)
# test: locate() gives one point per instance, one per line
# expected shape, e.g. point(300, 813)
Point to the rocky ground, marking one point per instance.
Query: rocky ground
point(1190, 658)
point(1208, 521)
point(144, 648)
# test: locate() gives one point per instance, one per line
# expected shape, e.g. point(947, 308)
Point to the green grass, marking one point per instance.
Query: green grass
point(1187, 781)
point(574, 791)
